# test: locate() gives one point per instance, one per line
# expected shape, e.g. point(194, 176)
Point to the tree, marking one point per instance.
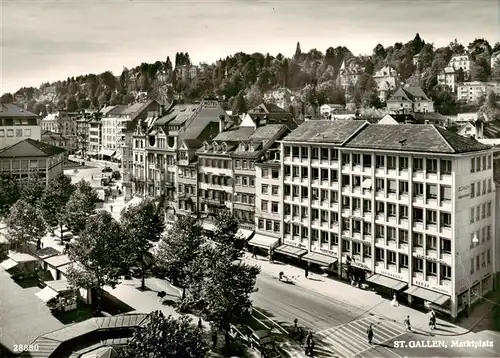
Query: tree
point(166, 337)
point(226, 229)
point(239, 105)
point(298, 52)
point(224, 293)
point(179, 249)
point(10, 192)
point(24, 224)
point(98, 251)
point(80, 206)
point(7, 98)
point(32, 189)
point(480, 69)
point(54, 199)
point(142, 225)
point(254, 97)
point(456, 48)
point(495, 70)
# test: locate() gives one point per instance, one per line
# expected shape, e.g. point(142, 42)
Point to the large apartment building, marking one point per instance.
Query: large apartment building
point(17, 124)
point(64, 123)
point(408, 208)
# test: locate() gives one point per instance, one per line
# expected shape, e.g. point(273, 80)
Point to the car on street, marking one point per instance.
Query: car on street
point(107, 170)
point(262, 342)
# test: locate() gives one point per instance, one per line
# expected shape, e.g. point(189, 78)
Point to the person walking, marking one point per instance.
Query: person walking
point(254, 252)
point(369, 331)
point(432, 320)
point(311, 348)
point(111, 208)
point(407, 323)
point(306, 272)
point(214, 340)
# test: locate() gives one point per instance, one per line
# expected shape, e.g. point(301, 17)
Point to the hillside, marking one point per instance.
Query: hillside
point(243, 78)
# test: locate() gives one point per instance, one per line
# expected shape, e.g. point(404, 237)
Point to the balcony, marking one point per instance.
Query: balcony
point(379, 240)
point(334, 226)
point(419, 225)
point(418, 174)
point(418, 200)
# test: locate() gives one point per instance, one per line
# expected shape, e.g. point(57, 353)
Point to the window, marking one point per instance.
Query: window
point(379, 185)
point(489, 185)
point(275, 173)
point(269, 225)
point(367, 160)
point(418, 189)
point(345, 159)
point(431, 242)
point(288, 152)
point(445, 193)
point(484, 186)
point(418, 164)
point(488, 232)
point(237, 164)
point(315, 153)
point(265, 188)
point(484, 162)
point(334, 154)
point(489, 161)
point(304, 153)
point(403, 187)
point(379, 254)
point(403, 212)
point(356, 159)
point(403, 260)
point(488, 257)
point(391, 186)
point(264, 205)
point(431, 191)
point(431, 217)
point(472, 266)
point(472, 165)
point(391, 210)
point(379, 231)
point(261, 224)
point(265, 173)
point(446, 219)
point(445, 166)
point(10, 133)
point(391, 257)
point(403, 236)
point(367, 206)
point(478, 188)
point(403, 163)
point(472, 190)
point(445, 246)
point(431, 166)
point(478, 164)
point(275, 190)
point(418, 239)
point(276, 226)
point(379, 161)
point(445, 272)
point(418, 265)
point(478, 213)
point(274, 207)
point(477, 263)
point(324, 153)
point(334, 175)
point(391, 162)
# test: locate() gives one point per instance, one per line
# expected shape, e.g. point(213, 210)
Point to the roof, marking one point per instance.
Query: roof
point(22, 149)
point(204, 124)
point(59, 260)
point(415, 138)
point(51, 344)
point(59, 285)
point(20, 257)
point(9, 110)
point(47, 252)
point(53, 136)
point(235, 135)
point(409, 94)
point(335, 132)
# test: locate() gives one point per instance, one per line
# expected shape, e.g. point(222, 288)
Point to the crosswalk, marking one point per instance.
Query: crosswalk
point(351, 340)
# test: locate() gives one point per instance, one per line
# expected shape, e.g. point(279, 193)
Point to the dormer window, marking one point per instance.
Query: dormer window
point(205, 146)
point(224, 147)
point(243, 147)
point(250, 148)
point(216, 147)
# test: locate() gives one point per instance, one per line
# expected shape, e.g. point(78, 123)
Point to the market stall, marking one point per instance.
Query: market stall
point(58, 295)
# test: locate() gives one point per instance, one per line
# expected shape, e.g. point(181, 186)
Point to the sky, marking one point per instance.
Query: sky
point(48, 40)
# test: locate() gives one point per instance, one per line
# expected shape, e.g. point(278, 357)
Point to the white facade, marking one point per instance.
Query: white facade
point(402, 215)
point(448, 77)
point(461, 61)
point(20, 130)
point(473, 91)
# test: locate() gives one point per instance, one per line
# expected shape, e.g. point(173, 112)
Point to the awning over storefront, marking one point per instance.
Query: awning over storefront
point(46, 294)
point(208, 226)
point(60, 286)
point(263, 241)
point(292, 251)
point(107, 152)
point(243, 234)
point(320, 259)
point(428, 295)
point(388, 282)
point(9, 264)
point(359, 265)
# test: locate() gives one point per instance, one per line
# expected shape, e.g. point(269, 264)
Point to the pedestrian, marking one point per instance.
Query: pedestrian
point(369, 331)
point(432, 321)
point(407, 323)
point(214, 339)
point(200, 325)
point(309, 339)
point(295, 324)
point(271, 254)
point(254, 252)
point(306, 272)
point(111, 207)
point(311, 348)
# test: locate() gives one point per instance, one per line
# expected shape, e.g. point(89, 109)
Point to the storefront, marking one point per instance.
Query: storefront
point(320, 261)
point(262, 244)
point(424, 299)
point(386, 286)
point(288, 252)
point(354, 271)
point(59, 295)
point(107, 154)
point(20, 266)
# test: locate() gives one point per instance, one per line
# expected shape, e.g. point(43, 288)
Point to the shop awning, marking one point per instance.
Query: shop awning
point(388, 282)
point(9, 264)
point(243, 234)
point(292, 251)
point(320, 259)
point(118, 156)
point(428, 295)
point(359, 265)
point(59, 286)
point(263, 241)
point(46, 294)
point(107, 152)
point(367, 184)
point(208, 226)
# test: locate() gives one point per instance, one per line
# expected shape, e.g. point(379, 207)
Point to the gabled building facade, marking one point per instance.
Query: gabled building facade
point(64, 123)
point(410, 100)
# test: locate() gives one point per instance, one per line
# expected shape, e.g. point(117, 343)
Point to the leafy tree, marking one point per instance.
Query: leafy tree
point(142, 225)
point(254, 97)
point(444, 100)
point(179, 249)
point(80, 206)
point(479, 47)
point(168, 64)
point(54, 199)
point(495, 71)
point(10, 192)
point(226, 229)
point(98, 251)
point(480, 69)
point(102, 99)
point(24, 224)
point(456, 48)
point(224, 293)
point(32, 189)
point(166, 337)
point(239, 105)
point(7, 98)
point(84, 103)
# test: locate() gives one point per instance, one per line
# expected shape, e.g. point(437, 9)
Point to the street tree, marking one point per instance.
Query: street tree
point(166, 337)
point(9, 192)
point(79, 207)
point(98, 252)
point(24, 224)
point(54, 198)
point(226, 229)
point(178, 251)
point(32, 189)
point(224, 292)
point(143, 225)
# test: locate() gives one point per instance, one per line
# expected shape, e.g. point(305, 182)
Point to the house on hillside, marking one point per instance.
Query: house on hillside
point(327, 110)
point(349, 73)
point(386, 79)
point(282, 97)
point(472, 92)
point(410, 100)
point(415, 118)
point(448, 77)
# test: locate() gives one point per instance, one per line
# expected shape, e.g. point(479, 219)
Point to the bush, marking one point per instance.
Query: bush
point(116, 175)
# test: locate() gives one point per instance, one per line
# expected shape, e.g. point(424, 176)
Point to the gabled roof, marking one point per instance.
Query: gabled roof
point(204, 124)
point(53, 136)
point(9, 110)
point(335, 132)
point(409, 94)
point(414, 138)
point(30, 148)
point(235, 135)
point(268, 108)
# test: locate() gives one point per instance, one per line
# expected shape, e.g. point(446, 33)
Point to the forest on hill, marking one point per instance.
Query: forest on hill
point(242, 78)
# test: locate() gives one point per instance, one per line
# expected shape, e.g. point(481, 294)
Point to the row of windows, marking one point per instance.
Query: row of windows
point(475, 163)
point(269, 225)
point(244, 216)
point(215, 179)
point(17, 132)
point(475, 188)
point(481, 261)
point(272, 207)
point(217, 163)
point(244, 198)
point(483, 235)
point(8, 165)
point(480, 212)
point(187, 189)
point(187, 173)
point(270, 173)
point(274, 189)
point(390, 162)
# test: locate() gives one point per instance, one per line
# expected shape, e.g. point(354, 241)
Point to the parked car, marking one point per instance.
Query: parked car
point(262, 342)
point(107, 170)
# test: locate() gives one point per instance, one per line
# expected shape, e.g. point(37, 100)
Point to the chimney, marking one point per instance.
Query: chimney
point(222, 123)
point(479, 129)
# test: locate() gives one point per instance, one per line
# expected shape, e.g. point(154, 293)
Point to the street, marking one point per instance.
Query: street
point(92, 169)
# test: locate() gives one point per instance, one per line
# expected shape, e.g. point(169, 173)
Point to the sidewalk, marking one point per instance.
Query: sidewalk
point(368, 302)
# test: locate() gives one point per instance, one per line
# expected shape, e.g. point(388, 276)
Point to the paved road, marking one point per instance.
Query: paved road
point(92, 169)
point(285, 302)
